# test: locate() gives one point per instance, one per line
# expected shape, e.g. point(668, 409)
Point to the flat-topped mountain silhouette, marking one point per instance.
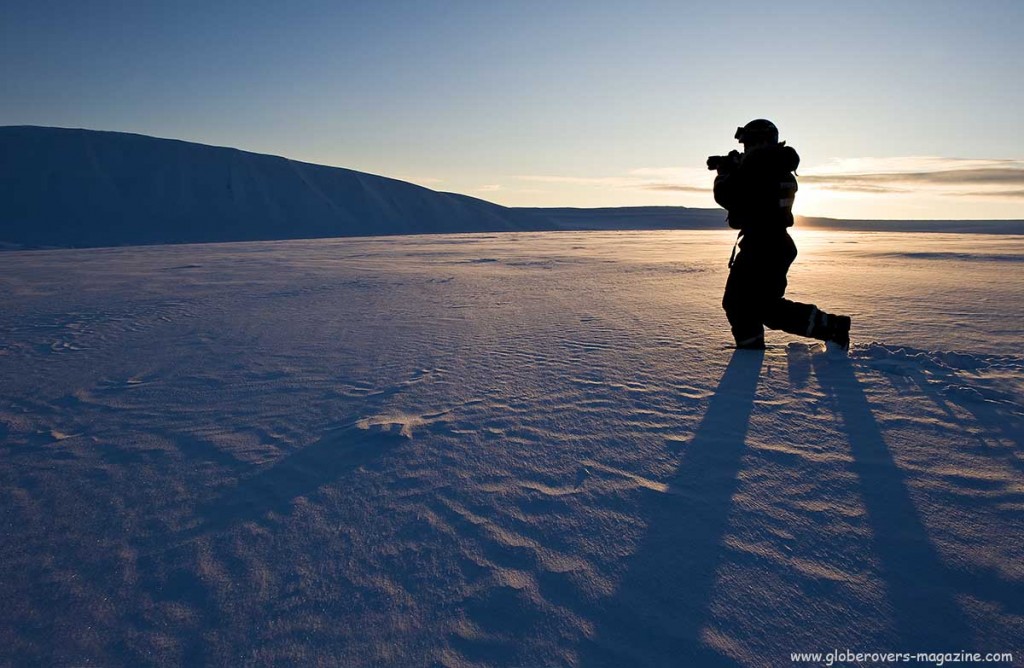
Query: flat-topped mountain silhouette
point(70, 187)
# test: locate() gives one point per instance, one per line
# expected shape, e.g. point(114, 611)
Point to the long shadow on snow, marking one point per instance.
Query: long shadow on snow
point(656, 616)
point(984, 583)
point(989, 415)
point(926, 614)
point(168, 572)
point(273, 489)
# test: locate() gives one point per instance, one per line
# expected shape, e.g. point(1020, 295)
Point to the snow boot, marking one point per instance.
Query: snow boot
point(752, 343)
point(827, 327)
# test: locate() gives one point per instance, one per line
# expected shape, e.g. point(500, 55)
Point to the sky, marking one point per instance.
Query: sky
point(899, 109)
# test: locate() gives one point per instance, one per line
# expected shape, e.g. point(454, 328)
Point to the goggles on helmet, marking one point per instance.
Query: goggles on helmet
point(756, 130)
point(744, 135)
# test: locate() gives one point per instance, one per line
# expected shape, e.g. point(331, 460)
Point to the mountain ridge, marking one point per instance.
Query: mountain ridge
point(87, 188)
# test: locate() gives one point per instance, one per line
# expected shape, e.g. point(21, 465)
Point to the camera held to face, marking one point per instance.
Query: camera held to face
point(724, 163)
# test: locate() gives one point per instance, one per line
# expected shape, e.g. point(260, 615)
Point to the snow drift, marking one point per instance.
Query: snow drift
point(64, 187)
point(686, 218)
point(634, 217)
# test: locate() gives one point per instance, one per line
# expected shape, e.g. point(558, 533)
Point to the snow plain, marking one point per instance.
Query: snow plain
point(510, 449)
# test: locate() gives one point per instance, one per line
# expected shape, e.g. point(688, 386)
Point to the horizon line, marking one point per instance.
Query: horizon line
point(809, 178)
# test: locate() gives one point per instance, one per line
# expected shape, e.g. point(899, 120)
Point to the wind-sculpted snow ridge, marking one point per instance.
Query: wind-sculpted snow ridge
point(945, 256)
point(82, 188)
point(686, 218)
point(502, 450)
point(1015, 227)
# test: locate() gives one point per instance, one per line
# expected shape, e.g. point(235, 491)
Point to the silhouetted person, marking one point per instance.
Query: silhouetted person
point(758, 187)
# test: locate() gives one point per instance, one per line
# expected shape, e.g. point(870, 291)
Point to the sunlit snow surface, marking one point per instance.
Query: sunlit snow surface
point(519, 449)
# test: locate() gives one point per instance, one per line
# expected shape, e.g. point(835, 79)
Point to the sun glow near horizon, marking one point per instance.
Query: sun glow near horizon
point(892, 188)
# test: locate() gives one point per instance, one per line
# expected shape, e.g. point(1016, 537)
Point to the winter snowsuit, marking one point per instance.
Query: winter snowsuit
point(759, 195)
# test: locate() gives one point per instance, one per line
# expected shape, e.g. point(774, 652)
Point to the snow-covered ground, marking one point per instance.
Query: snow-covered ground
point(513, 449)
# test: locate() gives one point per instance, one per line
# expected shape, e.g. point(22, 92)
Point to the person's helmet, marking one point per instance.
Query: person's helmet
point(758, 130)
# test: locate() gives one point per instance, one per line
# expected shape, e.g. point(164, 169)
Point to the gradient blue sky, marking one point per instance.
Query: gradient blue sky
point(899, 109)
